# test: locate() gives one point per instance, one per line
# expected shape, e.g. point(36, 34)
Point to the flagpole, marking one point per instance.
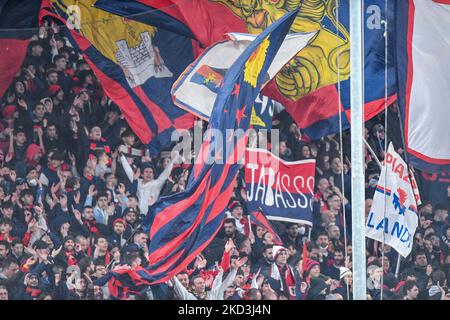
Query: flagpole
point(397, 269)
point(357, 156)
point(374, 155)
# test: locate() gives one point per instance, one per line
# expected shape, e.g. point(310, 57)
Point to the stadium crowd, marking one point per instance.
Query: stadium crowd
point(76, 184)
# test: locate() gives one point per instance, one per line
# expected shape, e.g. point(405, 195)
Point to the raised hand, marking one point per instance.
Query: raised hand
point(38, 210)
point(72, 158)
point(50, 202)
point(240, 262)
point(77, 197)
point(77, 102)
point(202, 263)
point(65, 230)
point(110, 209)
point(31, 224)
point(77, 215)
point(22, 103)
point(39, 132)
point(91, 190)
point(12, 175)
point(10, 155)
point(303, 287)
point(55, 252)
point(137, 174)
point(229, 245)
point(121, 188)
point(54, 188)
point(219, 267)
point(63, 202)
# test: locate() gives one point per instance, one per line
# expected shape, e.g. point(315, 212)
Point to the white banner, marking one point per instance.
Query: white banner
point(196, 89)
point(427, 113)
point(398, 196)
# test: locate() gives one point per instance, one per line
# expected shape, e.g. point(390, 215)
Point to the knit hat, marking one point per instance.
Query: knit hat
point(53, 89)
point(233, 205)
point(120, 220)
point(344, 272)
point(310, 263)
point(32, 150)
point(277, 250)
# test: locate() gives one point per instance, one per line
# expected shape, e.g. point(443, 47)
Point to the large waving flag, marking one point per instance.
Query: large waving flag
point(182, 225)
point(17, 20)
point(394, 208)
point(423, 44)
point(136, 65)
point(312, 102)
point(206, 21)
point(306, 86)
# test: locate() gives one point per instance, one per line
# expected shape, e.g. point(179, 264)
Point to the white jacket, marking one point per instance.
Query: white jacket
point(149, 189)
point(217, 290)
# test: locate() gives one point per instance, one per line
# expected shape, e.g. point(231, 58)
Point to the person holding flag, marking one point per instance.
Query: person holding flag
point(393, 216)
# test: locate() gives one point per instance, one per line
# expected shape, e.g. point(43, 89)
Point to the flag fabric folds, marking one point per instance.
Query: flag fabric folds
point(424, 81)
point(136, 65)
point(258, 218)
point(397, 196)
point(317, 113)
point(197, 87)
point(206, 21)
point(15, 17)
point(307, 85)
point(283, 190)
point(182, 225)
point(126, 281)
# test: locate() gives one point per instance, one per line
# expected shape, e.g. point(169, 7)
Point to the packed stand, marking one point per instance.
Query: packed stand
point(76, 185)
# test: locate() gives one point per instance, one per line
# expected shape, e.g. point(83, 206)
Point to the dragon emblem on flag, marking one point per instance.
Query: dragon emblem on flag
point(399, 201)
point(319, 63)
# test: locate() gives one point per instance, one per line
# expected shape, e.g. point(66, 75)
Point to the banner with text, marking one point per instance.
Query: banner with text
point(396, 195)
point(283, 190)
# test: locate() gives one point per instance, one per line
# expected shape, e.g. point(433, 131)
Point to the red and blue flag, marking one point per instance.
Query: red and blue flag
point(136, 65)
point(283, 190)
point(182, 225)
point(423, 48)
point(307, 85)
point(258, 218)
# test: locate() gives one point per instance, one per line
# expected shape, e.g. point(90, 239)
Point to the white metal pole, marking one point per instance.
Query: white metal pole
point(397, 268)
point(357, 156)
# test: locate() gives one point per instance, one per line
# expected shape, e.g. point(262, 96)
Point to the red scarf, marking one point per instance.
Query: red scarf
point(7, 238)
point(71, 260)
point(91, 225)
point(288, 281)
point(34, 292)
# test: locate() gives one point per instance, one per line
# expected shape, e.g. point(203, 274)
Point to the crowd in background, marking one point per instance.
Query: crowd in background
point(76, 183)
